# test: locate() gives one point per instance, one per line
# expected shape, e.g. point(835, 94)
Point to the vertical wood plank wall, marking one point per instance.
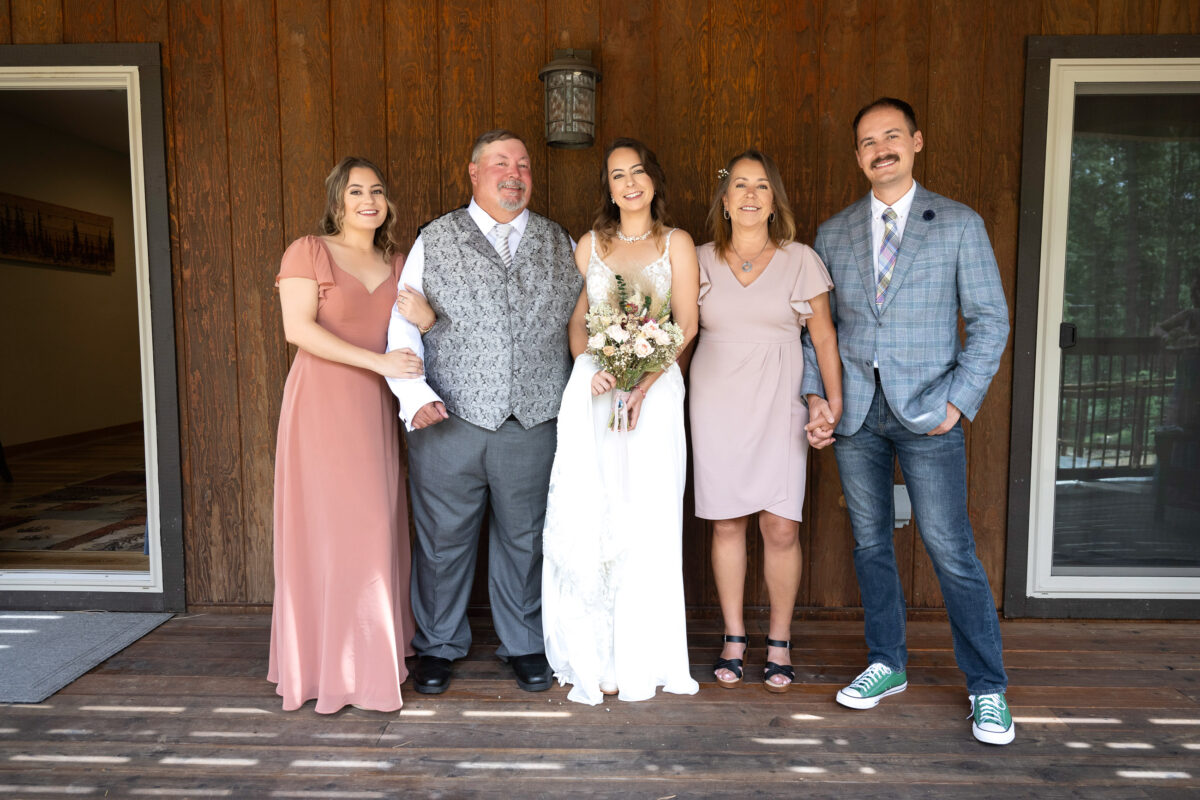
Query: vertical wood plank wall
point(262, 97)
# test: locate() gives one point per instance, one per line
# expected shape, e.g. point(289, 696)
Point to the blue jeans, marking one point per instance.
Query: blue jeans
point(935, 473)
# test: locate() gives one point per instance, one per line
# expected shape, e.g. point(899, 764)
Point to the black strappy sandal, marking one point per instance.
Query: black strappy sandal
point(734, 665)
point(774, 669)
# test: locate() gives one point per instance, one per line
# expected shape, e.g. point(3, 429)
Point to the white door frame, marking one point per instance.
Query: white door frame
point(125, 78)
point(1110, 75)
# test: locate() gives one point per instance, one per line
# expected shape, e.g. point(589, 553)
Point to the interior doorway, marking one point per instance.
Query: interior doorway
point(92, 516)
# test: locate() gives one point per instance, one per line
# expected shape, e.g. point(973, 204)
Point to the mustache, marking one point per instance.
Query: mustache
point(512, 183)
point(881, 159)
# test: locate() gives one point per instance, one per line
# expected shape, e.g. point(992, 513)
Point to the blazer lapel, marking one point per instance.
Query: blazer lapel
point(860, 242)
point(910, 244)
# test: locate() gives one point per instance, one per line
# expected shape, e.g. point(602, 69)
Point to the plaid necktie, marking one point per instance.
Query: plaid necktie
point(887, 255)
point(502, 230)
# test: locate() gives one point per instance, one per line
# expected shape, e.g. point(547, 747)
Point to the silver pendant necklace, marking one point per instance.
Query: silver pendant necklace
point(748, 263)
point(640, 238)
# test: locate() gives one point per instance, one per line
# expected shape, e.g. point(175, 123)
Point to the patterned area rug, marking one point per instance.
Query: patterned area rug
point(103, 514)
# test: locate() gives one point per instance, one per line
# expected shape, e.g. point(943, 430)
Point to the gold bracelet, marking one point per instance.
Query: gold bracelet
point(424, 331)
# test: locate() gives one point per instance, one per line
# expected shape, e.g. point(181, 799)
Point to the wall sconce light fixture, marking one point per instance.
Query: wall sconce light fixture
point(570, 99)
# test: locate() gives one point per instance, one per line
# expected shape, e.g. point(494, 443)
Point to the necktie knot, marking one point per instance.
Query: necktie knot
point(502, 230)
point(889, 215)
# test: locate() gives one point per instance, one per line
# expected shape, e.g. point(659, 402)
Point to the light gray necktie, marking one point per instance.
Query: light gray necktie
point(502, 230)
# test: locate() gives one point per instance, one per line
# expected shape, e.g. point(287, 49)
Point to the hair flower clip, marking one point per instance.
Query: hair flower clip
point(722, 173)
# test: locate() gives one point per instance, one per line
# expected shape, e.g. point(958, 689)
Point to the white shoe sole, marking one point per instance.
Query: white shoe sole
point(994, 737)
point(853, 701)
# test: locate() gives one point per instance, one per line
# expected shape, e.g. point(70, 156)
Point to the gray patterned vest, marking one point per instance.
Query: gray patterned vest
point(499, 346)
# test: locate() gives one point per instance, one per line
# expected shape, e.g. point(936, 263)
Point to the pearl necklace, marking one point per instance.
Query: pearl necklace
point(748, 263)
point(641, 238)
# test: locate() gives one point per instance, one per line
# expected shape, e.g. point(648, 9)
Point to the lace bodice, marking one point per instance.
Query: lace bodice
point(653, 279)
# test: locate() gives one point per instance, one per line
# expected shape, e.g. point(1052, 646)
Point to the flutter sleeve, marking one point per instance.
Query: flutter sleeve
point(812, 279)
point(307, 257)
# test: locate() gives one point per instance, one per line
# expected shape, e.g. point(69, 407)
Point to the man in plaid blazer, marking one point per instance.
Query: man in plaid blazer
point(905, 263)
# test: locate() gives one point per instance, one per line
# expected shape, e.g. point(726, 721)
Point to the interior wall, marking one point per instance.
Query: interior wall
point(70, 358)
point(261, 99)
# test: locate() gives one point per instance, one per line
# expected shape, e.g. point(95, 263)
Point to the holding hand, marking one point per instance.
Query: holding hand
point(603, 382)
point(633, 406)
point(823, 419)
point(402, 363)
point(413, 306)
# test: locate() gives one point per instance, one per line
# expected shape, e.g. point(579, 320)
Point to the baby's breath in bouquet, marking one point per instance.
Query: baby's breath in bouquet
point(629, 340)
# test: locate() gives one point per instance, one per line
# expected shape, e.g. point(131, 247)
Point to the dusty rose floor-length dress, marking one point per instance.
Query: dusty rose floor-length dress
point(341, 624)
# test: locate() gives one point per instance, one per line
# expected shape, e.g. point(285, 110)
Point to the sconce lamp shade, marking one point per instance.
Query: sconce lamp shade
point(570, 99)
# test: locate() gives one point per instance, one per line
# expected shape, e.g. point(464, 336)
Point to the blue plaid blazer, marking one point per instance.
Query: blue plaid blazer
point(945, 265)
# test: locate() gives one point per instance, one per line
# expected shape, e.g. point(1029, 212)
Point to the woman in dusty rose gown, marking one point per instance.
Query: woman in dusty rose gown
point(758, 291)
point(341, 625)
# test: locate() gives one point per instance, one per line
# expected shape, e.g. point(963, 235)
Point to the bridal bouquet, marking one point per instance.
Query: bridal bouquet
point(630, 340)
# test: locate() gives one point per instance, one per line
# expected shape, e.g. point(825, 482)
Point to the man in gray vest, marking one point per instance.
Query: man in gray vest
point(482, 431)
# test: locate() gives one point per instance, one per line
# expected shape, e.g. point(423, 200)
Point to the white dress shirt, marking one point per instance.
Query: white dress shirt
point(901, 207)
point(415, 393)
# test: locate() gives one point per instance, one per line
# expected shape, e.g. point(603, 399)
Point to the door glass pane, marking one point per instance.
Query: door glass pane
point(1127, 489)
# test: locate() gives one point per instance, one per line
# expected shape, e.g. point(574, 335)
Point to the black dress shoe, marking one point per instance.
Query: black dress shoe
point(432, 675)
point(532, 671)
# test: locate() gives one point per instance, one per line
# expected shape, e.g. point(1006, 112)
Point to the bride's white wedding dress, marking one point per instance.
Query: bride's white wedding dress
point(612, 576)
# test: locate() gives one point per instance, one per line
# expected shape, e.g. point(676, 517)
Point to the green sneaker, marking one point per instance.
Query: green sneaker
point(875, 683)
point(991, 721)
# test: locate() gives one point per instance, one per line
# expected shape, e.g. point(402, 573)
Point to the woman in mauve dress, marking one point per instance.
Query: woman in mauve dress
point(341, 624)
point(758, 291)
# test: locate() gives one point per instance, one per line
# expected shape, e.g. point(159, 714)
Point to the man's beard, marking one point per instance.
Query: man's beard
point(516, 204)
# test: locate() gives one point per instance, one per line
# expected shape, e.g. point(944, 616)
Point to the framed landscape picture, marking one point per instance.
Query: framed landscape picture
point(34, 232)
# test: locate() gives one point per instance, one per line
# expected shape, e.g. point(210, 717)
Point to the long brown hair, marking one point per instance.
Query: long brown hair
point(335, 208)
point(608, 215)
point(781, 229)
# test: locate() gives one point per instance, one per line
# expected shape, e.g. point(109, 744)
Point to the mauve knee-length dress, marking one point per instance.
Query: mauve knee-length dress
point(341, 624)
point(749, 450)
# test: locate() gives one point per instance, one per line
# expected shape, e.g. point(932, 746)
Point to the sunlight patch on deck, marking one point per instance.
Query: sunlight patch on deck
point(806, 717)
point(61, 758)
point(137, 709)
point(1173, 721)
point(1129, 745)
point(19, 790)
point(240, 710)
point(326, 794)
point(417, 712)
point(809, 770)
point(764, 740)
point(523, 765)
point(342, 764)
point(159, 792)
point(1067, 720)
point(232, 735)
point(515, 714)
point(1160, 775)
point(1078, 745)
point(68, 732)
point(208, 762)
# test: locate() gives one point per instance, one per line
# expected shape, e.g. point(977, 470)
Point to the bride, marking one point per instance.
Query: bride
point(612, 577)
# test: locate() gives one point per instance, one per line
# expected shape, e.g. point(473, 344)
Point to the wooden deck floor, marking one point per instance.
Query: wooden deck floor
point(1104, 710)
